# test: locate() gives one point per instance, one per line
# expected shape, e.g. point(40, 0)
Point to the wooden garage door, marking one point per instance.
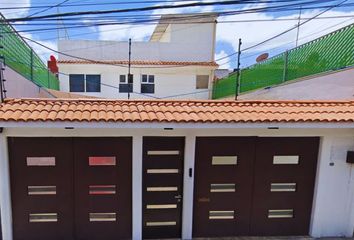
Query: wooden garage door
point(254, 186)
point(71, 188)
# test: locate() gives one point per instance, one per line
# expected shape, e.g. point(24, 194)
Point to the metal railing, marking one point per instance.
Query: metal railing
point(330, 52)
point(19, 56)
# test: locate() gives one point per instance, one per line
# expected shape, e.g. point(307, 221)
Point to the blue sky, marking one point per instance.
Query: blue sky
point(227, 33)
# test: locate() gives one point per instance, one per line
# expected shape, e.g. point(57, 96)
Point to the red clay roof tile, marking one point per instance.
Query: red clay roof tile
point(96, 110)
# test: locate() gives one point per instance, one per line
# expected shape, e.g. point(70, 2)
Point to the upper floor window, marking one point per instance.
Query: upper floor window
point(85, 83)
point(202, 82)
point(126, 83)
point(93, 83)
point(77, 82)
point(147, 83)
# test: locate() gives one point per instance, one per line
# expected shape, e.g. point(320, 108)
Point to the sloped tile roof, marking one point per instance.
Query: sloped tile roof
point(149, 63)
point(176, 111)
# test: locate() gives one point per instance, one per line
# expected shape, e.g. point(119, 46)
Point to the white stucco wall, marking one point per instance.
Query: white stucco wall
point(18, 86)
point(333, 206)
point(170, 81)
point(188, 42)
point(330, 86)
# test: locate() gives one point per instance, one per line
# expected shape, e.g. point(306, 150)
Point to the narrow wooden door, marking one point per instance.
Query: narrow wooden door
point(162, 186)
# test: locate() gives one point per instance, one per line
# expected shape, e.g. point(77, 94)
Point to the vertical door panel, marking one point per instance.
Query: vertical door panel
point(284, 208)
point(103, 188)
point(162, 186)
point(223, 186)
point(41, 172)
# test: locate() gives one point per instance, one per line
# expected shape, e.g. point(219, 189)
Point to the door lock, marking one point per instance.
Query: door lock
point(178, 197)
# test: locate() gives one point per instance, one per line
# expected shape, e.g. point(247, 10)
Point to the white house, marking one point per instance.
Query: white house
point(177, 62)
point(117, 169)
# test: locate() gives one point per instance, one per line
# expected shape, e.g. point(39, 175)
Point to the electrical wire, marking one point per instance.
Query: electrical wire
point(140, 9)
point(48, 8)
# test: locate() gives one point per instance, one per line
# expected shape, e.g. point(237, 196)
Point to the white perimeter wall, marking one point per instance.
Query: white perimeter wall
point(168, 81)
point(327, 86)
point(333, 208)
point(18, 86)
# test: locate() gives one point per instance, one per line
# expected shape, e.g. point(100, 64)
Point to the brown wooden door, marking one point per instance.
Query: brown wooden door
point(254, 186)
point(41, 172)
point(223, 186)
point(71, 188)
point(285, 173)
point(162, 186)
point(103, 195)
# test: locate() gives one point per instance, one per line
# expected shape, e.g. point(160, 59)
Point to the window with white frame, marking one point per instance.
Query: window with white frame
point(126, 83)
point(202, 82)
point(147, 83)
point(85, 83)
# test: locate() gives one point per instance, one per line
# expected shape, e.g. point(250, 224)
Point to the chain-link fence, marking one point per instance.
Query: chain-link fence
point(19, 56)
point(330, 52)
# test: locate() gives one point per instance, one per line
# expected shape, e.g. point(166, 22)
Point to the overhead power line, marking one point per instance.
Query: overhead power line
point(141, 9)
point(48, 8)
point(286, 31)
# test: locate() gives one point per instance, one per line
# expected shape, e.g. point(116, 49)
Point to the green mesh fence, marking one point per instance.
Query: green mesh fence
point(330, 52)
point(16, 54)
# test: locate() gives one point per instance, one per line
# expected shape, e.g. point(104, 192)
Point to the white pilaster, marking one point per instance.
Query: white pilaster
point(137, 168)
point(188, 188)
point(5, 192)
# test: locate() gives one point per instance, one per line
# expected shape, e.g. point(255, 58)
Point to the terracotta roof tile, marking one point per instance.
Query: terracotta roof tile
point(147, 63)
point(97, 110)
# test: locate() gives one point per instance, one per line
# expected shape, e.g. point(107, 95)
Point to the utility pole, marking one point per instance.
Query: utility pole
point(298, 27)
point(238, 68)
point(130, 77)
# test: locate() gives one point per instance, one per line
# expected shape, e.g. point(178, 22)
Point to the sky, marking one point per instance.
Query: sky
point(227, 34)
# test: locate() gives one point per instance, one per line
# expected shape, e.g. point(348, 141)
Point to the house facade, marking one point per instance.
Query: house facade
point(177, 62)
point(175, 169)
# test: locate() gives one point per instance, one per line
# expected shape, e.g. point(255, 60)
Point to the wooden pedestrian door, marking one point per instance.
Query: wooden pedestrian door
point(162, 186)
point(253, 186)
point(71, 188)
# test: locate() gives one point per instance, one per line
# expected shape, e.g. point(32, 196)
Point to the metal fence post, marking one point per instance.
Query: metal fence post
point(31, 65)
point(285, 70)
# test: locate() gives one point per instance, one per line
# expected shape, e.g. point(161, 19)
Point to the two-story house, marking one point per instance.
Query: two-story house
point(177, 62)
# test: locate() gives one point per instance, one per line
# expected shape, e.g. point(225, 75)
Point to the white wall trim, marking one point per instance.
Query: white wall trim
point(188, 187)
point(137, 173)
point(157, 125)
point(5, 190)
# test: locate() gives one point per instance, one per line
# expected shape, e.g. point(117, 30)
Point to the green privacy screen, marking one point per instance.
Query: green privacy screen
point(20, 57)
point(330, 52)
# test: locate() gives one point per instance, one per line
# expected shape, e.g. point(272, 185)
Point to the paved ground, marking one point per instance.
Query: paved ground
point(274, 238)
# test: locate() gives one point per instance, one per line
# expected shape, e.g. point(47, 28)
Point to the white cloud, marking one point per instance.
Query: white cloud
point(15, 13)
point(255, 32)
point(225, 62)
point(42, 52)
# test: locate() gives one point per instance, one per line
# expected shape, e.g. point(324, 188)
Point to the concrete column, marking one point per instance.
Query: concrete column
point(188, 188)
point(5, 192)
point(137, 186)
point(332, 213)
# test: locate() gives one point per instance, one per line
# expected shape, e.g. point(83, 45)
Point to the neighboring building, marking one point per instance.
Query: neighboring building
point(114, 169)
point(177, 62)
point(221, 73)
